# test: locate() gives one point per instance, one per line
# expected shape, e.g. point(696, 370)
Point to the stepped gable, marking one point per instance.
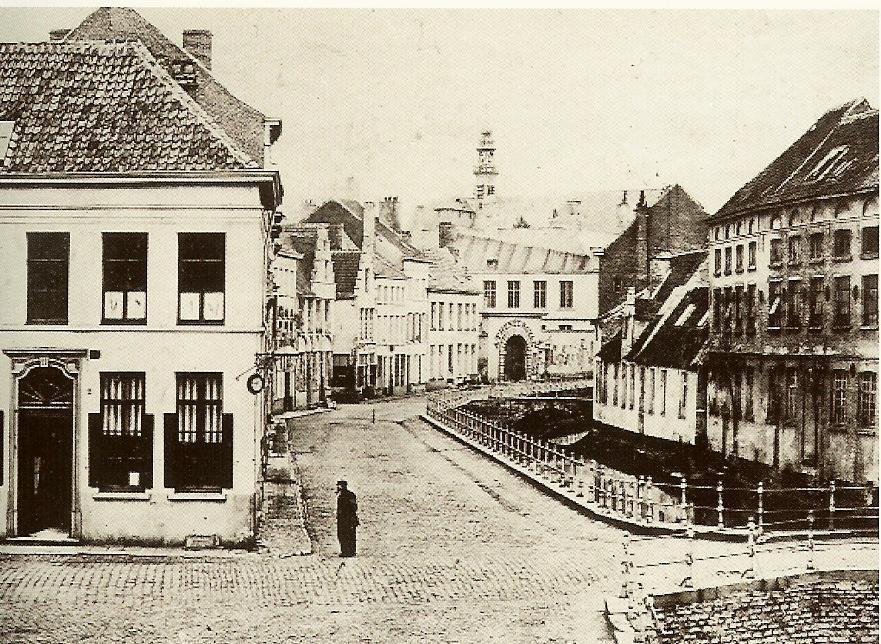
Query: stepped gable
point(838, 155)
point(103, 107)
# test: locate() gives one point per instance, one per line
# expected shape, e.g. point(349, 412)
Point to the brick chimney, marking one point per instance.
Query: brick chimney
point(57, 35)
point(197, 43)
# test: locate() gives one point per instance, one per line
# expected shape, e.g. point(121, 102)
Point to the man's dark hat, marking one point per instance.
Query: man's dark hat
point(343, 483)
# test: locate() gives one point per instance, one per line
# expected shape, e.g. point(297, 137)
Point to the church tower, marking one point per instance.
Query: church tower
point(485, 171)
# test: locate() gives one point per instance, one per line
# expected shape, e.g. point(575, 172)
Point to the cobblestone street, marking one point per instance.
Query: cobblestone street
point(451, 548)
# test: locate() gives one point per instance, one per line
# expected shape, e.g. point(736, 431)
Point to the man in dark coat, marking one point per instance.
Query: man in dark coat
point(346, 518)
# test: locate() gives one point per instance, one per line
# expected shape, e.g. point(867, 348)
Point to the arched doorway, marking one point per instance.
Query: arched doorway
point(45, 450)
point(515, 358)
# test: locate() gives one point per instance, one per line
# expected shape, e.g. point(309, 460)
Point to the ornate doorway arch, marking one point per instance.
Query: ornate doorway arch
point(516, 345)
point(44, 433)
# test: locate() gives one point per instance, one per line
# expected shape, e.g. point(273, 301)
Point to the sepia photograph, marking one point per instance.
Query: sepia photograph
point(518, 325)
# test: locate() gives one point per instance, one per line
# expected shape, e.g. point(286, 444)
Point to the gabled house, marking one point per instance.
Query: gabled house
point(131, 230)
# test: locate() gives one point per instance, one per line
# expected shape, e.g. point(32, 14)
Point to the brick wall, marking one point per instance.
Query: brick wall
point(825, 610)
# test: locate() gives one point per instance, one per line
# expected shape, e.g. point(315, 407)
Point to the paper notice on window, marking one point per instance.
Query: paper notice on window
point(189, 306)
point(213, 306)
point(136, 305)
point(113, 305)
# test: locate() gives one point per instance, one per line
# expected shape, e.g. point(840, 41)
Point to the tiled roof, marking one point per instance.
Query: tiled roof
point(385, 268)
point(838, 155)
point(99, 107)
point(446, 274)
point(610, 352)
point(676, 339)
point(345, 269)
point(474, 249)
point(351, 215)
point(240, 121)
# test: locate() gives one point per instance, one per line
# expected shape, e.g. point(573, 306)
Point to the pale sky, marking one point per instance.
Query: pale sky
point(577, 100)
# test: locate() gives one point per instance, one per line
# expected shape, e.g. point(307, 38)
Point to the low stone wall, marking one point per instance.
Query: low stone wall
point(832, 607)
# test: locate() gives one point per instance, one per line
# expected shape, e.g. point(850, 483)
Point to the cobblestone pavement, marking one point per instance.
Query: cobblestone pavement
point(452, 548)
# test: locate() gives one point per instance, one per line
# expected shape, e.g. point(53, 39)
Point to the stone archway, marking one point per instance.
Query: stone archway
point(515, 358)
point(523, 346)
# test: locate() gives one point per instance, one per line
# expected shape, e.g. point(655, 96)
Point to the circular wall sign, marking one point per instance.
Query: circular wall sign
point(256, 383)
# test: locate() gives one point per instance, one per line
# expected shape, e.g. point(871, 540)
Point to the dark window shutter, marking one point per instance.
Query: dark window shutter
point(95, 457)
point(226, 452)
point(170, 450)
point(147, 451)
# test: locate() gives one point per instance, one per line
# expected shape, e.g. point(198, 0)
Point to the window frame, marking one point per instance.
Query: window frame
point(125, 319)
point(513, 294)
point(193, 262)
point(54, 292)
point(869, 299)
point(867, 388)
point(489, 294)
point(539, 294)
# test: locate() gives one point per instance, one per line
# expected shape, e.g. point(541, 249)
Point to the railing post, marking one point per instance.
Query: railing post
point(649, 492)
point(750, 572)
point(832, 504)
point(682, 485)
point(580, 484)
point(719, 507)
point(626, 564)
point(591, 480)
point(688, 582)
point(810, 540)
point(761, 493)
point(640, 495)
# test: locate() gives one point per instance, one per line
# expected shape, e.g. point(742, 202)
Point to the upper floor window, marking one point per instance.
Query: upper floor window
point(489, 294)
point(795, 249)
point(839, 396)
point(750, 306)
point(717, 261)
point(48, 265)
point(539, 294)
point(842, 301)
point(751, 226)
point(869, 241)
point(125, 277)
point(727, 231)
point(728, 260)
point(566, 294)
point(751, 255)
point(201, 277)
point(817, 297)
point(775, 304)
point(775, 222)
point(816, 242)
point(717, 233)
point(513, 294)
point(776, 256)
point(738, 258)
point(870, 300)
point(841, 242)
point(793, 304)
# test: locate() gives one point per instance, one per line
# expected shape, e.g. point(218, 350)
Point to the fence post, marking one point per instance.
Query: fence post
point(688, 582)
point(810, 539)
point(750, 572)
point(584, 471)
point(649, 489)
point(682, 485)
point(761, 492)
point(640, 495)
point(832, 504)
point(719, 507)
point(591, 480)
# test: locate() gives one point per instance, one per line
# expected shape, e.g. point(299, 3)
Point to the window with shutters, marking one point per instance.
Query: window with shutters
point(201, 278)
point(870, 300)
point(125, 278)
point(198, 438)
point(121, 436)
point(48, 265)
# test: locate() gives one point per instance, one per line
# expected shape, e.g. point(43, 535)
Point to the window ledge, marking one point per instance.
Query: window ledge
point(815, 260)
point(197, 496)
point(750, 268)
point(869, 327)
point(121, 496)
point(868, 255)
point(843, 258)
point(738, 270)
point(773, 328)
point(775, 265)
point(866, 431)
point(795, 263)
point(841, 327)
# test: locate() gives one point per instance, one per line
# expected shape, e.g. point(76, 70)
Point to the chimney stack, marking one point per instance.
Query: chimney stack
point(446, 233)
point(57, 35)
point(197, 43)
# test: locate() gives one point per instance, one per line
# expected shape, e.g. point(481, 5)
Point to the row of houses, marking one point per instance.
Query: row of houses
point(766, 346)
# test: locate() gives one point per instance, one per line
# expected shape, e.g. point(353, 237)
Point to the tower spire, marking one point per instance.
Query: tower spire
point(485, 172)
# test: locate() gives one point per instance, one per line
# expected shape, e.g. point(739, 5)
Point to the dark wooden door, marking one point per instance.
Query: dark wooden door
point(45, 454)
point(515, 358)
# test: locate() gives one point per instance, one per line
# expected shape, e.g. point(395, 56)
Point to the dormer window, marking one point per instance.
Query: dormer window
point(184, 72)
point(492, 263)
